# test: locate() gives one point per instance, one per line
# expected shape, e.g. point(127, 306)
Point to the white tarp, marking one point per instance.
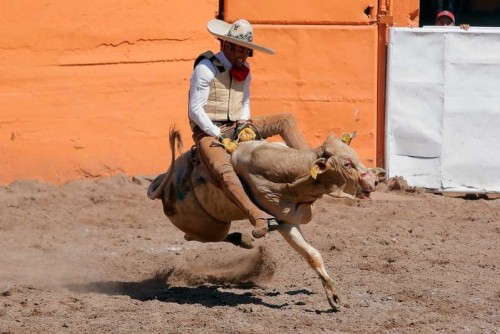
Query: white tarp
point(443, 108)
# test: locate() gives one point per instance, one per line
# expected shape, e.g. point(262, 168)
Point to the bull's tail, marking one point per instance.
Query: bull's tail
point(155, 189)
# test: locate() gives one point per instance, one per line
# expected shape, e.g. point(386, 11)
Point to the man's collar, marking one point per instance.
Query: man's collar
point(227, 64)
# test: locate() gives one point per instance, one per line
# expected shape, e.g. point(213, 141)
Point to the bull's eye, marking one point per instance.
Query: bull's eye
point(348, 164)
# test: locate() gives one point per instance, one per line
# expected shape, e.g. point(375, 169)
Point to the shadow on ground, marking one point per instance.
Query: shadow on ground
point(157, 288)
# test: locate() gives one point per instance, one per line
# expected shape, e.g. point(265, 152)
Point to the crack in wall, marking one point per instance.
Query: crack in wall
point(9, 122)
point(127, 62)
point(37, 49)
point(144, 40)
point(109, 170)
point(326, 100)
point(86, 174)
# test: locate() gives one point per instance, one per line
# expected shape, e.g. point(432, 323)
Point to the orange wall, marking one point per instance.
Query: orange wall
point(405, 12)
point(90, 89)
point(325, 75)
point(325, 69)
point(301, 11)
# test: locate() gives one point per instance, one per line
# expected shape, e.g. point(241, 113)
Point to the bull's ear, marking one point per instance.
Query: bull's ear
point(318, 167)
point(379, 172)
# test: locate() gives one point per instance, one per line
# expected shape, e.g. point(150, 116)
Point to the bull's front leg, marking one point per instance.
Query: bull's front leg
point(294, 237)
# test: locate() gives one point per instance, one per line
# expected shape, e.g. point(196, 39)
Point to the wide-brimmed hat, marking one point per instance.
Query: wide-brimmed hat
point(240, 33)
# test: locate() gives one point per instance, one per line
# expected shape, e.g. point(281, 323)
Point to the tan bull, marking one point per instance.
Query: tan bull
point(283, 181)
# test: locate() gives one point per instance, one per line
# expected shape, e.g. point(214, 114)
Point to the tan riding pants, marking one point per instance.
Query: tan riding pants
point(283, 125)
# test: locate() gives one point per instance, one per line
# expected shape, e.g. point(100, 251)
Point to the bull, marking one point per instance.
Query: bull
point(281, 180)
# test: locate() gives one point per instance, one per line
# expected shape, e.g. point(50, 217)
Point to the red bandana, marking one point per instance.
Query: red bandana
point(240, 73)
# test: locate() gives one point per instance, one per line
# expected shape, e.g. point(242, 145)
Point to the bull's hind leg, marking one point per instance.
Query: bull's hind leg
point(239, 239)
point(294, 237)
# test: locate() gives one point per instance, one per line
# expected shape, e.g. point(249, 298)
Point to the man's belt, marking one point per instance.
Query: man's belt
point(222, 123)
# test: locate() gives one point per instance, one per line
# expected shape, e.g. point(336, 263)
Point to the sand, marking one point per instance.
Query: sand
point(97, 256)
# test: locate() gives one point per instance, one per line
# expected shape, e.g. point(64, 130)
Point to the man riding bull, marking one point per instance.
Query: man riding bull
point(219, 114)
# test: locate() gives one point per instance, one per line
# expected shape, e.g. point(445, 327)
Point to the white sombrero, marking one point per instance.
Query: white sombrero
point(240, 33)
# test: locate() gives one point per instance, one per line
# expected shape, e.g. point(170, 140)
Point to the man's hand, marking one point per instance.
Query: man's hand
point(229, 145)
point(246, 134)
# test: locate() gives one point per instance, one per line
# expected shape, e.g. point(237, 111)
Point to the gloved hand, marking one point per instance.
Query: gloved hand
point(228, 144)
point(246, 134)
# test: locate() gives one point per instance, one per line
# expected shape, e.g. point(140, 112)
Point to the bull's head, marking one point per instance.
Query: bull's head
point(358, 180)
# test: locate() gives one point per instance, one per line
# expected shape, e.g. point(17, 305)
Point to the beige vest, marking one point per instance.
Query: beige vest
point(225, 100)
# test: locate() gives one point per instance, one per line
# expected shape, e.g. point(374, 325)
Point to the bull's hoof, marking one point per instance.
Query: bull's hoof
point(260, 232)
point(239, 239)
point(246, 241)
point(266, 225)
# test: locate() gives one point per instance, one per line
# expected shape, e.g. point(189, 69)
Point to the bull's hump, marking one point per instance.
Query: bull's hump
point(246, 149)
point(259, 150)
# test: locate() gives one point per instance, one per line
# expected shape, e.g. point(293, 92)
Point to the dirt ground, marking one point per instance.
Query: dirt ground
point(98, 256)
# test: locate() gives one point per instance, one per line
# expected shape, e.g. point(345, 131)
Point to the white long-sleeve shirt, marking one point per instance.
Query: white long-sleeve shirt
point(199, 90)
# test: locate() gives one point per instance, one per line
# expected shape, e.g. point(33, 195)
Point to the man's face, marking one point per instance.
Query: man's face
point(236, 54)
point(445, 21)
